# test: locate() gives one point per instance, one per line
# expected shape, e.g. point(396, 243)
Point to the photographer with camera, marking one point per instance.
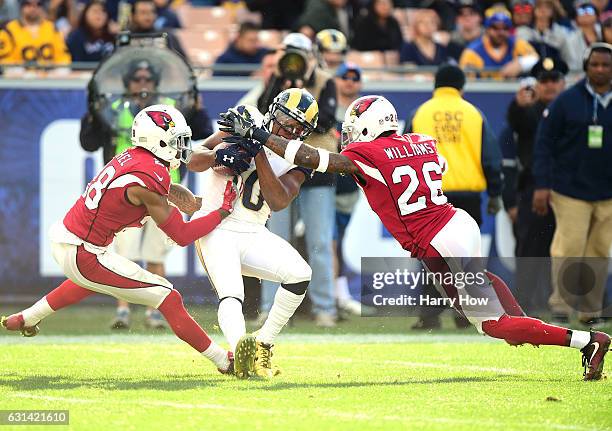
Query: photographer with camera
point(110, 129)
point(297, 67)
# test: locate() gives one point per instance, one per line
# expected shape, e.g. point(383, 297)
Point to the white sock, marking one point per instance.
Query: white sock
point(580, 339)
point(285, 304)
point(231, 321)
point(217, 355)
point(37, 312)
point(342, 290)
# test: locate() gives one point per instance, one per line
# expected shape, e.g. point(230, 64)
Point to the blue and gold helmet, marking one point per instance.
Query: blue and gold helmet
point(331, 40)
point(297, 104)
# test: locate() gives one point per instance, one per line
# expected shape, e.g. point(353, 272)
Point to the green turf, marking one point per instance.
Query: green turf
point(331, 380)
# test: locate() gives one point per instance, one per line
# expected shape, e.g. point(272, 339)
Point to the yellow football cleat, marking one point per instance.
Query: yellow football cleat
point(263, 361)
point(244, 356)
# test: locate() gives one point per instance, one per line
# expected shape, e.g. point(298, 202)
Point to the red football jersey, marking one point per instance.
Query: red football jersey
point(403, 175)
point(103, 209)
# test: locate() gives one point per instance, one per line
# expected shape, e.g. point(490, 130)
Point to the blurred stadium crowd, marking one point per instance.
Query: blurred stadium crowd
point(328, 47)
point(372, 33)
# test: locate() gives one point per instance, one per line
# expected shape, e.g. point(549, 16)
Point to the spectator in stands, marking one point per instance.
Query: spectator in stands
point(423, 50)
point(149, 244)
point(166, 17)
point(465, 140)
point(571, 166)
point(277, 14)
point(586, 31)
point(505, 55)
point(142, 21)
point(331, 49)
point(92, 40)
point(9, 10)
point(64, 14)
point(468, 27)
point(322, 14)
point(316, 198)
point(32, 39)
point(533, 232)
point(546, 35)
point(377, 30)
point(348, 88)
point(244, 49)
point(522, 13)
point(606, 26)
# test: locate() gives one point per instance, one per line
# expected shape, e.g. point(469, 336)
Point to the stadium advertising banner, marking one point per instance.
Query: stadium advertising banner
point(45, 170)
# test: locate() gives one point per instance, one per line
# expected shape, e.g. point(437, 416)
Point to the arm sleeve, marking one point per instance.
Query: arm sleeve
point(184, 233)
point(93, 135)
point(524, 48)
point(491, 159)
point(327, 107)
point(469, 58)
point(550, 125)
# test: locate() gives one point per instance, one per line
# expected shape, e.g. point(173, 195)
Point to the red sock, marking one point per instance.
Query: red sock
point(521, 329)
point(182, 323)
point(67, 293)
point(511, 307)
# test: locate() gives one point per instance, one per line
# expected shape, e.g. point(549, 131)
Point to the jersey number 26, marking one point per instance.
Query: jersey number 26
point(435, 187)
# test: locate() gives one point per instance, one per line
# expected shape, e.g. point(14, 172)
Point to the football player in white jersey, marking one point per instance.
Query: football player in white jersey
point(242, 245)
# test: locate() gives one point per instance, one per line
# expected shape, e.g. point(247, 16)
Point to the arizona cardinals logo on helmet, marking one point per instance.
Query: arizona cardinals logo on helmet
point(161, 119)
point(362, 106)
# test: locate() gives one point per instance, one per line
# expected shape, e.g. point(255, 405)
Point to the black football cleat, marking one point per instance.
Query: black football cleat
point(593, 355)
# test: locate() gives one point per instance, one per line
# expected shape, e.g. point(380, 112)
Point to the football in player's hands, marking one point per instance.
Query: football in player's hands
point(231, 160)
point(251, 146)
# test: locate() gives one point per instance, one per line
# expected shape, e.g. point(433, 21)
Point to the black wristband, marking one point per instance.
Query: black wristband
point(260, 135)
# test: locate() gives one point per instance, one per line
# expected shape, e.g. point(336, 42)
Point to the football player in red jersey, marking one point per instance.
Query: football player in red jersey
point(134, 185)
point(401, 178)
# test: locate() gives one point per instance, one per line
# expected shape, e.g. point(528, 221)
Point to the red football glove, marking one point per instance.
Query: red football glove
point(229, 197)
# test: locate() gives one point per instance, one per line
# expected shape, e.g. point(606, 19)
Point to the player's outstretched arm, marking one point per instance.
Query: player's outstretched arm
point(169, 219)
point(203, 156)
point(185, 201)
point(310, 157)
point(278, 192)
point(295, 152)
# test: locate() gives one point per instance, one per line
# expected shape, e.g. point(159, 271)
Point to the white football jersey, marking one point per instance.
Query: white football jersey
point(250, 210)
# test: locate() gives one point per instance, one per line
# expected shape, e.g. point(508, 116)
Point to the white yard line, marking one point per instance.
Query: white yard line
point(289, 339)
point(330, 413)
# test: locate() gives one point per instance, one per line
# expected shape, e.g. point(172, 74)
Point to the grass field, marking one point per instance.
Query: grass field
point(336, 380)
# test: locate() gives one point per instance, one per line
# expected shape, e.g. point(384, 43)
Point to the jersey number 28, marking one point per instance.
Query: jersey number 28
point(435, 186)
point(93, 192)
